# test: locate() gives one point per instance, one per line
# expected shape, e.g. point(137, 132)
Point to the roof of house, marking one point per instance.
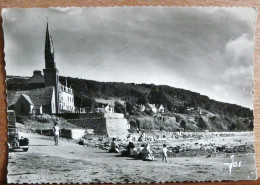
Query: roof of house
point(37, 107)
point(151, 106)
point(160, 106)
point(105, 102)
point(110, 101)
point(40, 96)
point(36, 78)
point(27, 98)
point(101, 105)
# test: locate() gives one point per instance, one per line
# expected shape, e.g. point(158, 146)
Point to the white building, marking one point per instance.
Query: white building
point(161, 108)
point(66, 99)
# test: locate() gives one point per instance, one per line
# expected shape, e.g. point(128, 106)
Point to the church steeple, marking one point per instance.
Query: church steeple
point(51, 73)
point(49, 51)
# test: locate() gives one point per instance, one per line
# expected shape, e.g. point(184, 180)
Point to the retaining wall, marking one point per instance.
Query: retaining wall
point(108, 124)
point(98, 125)
point(81, 115)
point(116, 127)
point(65, 133)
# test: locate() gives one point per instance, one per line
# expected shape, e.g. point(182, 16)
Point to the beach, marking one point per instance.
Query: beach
point(72, 163)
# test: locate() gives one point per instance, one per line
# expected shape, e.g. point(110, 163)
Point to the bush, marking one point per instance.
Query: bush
point(133, 124)
point(202, 124)
point(183, 124)
point(119, 108)
point(20, 119)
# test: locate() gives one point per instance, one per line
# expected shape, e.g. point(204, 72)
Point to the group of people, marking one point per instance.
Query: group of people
point(143, 152)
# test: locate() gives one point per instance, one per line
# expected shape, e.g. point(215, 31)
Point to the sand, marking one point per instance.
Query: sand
point(72, 163)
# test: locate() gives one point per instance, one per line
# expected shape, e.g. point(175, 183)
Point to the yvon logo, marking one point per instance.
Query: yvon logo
point(233, 164)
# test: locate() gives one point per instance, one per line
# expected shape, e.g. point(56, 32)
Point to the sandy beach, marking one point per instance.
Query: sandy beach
point(72, 163)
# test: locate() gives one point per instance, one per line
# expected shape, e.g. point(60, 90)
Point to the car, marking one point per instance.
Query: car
point(14, 143)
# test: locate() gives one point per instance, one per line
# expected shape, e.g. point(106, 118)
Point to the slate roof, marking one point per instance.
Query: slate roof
point(36, 78)
point(27, 98)
point(105, 102)
point(149, 106)
point(37, 106)
point(40, 96)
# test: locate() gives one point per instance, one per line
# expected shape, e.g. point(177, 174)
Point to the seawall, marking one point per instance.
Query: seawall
point(105, 124)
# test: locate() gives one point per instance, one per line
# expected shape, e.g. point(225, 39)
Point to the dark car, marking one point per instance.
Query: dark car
point(14, 142)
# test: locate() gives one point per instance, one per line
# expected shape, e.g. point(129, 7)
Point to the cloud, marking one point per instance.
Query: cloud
point(207, 50)
point(240, 48)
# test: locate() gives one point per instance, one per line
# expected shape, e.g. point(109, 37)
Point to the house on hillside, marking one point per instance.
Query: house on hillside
point(141, 108)
point(150, 108)
point(80, 110)
point(35, 101)
point(105, 106)
point(66, 99)
point(160, 108)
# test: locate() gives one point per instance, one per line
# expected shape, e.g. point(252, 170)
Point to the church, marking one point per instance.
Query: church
point(43, 92)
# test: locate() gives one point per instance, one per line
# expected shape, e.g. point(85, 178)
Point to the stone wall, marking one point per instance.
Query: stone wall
point(116, 127)
point(108, 124)
point(98, 125)
point(72, 133)
point(45, 132)
point(114, 115)
point(81, 115)
point(77, 133)
point(65, 133)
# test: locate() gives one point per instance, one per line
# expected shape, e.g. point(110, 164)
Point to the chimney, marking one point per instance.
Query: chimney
point(37, 72)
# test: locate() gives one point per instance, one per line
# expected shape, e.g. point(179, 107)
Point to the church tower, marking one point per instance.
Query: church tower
point(51, 73)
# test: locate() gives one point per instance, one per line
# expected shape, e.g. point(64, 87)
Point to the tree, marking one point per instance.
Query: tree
point(158, 97)
point(134, 124)
point(202, 124)
point(130, 108)
point(251, 125)
point(142, 99)
point(119, 108)
point(183, 124)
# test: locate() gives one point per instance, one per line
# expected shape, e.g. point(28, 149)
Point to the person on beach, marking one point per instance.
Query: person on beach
point(114, 148)
point(15, 141)
point(130, 150)
point(126, 152)
point(56, 131)
point(147, 154)
point(164, 153)
point(139, 153)
point(133, 150)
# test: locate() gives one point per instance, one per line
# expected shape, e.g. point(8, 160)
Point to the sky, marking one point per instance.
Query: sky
point(205, 50)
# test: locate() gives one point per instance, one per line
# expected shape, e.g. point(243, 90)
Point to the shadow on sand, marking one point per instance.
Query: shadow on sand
point(102, 153)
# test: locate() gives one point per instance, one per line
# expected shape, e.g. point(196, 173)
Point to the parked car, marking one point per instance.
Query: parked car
point(14, 142)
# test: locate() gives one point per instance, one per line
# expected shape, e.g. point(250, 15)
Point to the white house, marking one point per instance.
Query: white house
point(161, 109)
point(66, 99)
point(150, 108)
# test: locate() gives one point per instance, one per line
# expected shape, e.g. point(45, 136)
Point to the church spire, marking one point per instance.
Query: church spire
point(51, 73)
point(49, 50)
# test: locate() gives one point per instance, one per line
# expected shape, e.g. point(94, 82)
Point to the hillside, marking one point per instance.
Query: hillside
point(216, 116)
